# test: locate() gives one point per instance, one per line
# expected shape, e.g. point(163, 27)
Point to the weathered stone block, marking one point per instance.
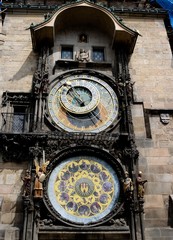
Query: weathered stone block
point(158, 188)
point(10, 178)
point(156, 152)
point(154, 223)
point(154, 201)
point(12, 233)
point(155, 213)
point(7, 207)
point(160, 169)
point(166, 232)
point(7, 218)
point(164, 178)
point(152, 232)
point(6, 189)
point(158, 161)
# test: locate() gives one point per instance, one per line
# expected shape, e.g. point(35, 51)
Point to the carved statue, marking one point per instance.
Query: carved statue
point(129, 88)
point(27, 184)
point(37, 81)
point(82, 56)
point(39, 178)
point(140, 185)
point(41, 82)
point(121, 88)
point(128, 186)
point(83, 38)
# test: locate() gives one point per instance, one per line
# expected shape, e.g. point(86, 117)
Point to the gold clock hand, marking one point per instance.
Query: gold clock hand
point(95, 115)
point(76, 94)
point(81, 102)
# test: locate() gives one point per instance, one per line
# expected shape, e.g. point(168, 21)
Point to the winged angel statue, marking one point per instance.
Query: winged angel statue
point(39, 178)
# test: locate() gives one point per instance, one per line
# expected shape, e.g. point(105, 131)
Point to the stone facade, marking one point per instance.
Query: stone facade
point(150, 70)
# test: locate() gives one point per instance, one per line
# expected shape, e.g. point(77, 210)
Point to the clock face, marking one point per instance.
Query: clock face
point(82, 103)
point(83, 189)
point(79, 97)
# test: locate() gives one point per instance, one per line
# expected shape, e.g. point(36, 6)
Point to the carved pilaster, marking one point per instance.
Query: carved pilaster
point(40, 88)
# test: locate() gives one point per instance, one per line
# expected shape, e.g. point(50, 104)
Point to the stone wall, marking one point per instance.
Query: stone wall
point(18, 63)
point(151, 70)
point(11, 203)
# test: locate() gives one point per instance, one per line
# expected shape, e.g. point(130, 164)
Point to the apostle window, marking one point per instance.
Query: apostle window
point(66, 52)
point(98, 54)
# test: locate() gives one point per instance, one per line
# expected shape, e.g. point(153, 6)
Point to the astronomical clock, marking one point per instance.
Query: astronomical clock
point(84, 184)
point(83, 101)
point(82, 139)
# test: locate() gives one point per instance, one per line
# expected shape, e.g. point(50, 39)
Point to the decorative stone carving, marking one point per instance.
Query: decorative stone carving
point(164, 118)
point(36, 151)
point(83, 38)
point(131, 152)
point(82, 56)
point(46, 222)
point(118, 222)
point(14, 97)
point(129, 89)
point(40, 82)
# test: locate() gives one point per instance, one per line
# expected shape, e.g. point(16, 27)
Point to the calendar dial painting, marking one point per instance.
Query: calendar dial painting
point(83, 189)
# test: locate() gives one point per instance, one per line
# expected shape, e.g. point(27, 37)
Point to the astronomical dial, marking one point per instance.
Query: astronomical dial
point(79, 98)
point(82, 103)
point(83, 189)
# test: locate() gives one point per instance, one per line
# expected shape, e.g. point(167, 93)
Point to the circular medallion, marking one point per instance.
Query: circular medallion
point(83, 189)
point(82, 103)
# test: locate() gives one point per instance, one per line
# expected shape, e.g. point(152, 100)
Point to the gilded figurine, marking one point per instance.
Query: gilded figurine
point(128, 186)
point(140, 185)
point(39, 178)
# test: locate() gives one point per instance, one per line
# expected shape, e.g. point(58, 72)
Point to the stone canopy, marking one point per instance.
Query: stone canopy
point(83, 14)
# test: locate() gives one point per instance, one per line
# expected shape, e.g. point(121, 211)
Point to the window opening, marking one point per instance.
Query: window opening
point(67, 52)
point(18, 119)
point(98, 54)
